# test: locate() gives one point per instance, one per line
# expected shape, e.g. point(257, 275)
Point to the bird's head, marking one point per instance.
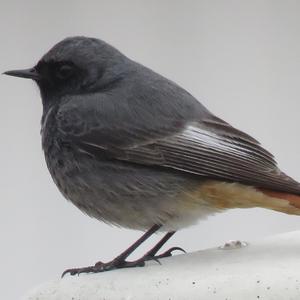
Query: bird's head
point(76, 65)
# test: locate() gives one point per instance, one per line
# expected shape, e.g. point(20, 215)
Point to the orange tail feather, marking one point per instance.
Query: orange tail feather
point(292, 200)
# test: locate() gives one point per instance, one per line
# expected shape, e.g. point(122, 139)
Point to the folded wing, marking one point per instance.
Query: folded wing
point(183, 136)
point(211, 149)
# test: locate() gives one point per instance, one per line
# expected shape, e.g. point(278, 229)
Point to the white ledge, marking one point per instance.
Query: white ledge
point(269, 269)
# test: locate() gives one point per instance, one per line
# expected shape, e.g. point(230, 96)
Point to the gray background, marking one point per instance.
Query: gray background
point(240, 58)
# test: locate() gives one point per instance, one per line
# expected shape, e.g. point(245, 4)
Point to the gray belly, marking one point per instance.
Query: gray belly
point(122, 194)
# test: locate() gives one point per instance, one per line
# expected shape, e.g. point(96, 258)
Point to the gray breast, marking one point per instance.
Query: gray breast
point(115, 192)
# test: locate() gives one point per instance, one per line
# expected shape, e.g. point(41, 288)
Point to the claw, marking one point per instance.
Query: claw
point(176, 249)
point(71, 271)
point(168, 253)
point(85, 270)
point(156, 260)
point(148, 257)
point(77, 271)
point(119, 264)
point(120, 261)
point(102, 267)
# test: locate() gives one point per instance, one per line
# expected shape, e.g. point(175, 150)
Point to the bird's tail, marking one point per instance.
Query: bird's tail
point(224, 195)
point(283, 202)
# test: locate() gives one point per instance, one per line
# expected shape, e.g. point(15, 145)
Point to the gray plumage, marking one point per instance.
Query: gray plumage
point(123, 143)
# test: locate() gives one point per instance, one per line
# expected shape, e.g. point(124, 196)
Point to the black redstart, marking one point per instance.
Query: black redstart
point(132, 148)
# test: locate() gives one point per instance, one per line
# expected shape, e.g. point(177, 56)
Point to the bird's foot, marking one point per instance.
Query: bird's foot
point(103, 267)
point(151, 256)
point(120, 264)
point(168, 253)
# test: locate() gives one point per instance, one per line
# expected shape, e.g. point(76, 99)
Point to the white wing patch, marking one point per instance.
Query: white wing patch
point(205, 137)
point(208, 139)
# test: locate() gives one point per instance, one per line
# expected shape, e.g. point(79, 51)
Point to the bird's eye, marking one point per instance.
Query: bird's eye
point(64, 71)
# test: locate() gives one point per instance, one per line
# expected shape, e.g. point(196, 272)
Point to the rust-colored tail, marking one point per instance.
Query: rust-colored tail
point(225, 195)
point(290, 202)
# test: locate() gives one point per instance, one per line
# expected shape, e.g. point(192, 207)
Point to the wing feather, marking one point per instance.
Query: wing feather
point(198, 150)
point(179, 135)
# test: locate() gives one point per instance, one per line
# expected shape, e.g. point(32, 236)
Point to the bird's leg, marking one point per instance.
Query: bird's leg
point(151, 254)
point(119, 261)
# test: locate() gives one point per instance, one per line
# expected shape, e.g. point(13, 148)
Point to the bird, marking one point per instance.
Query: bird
point(132, 148)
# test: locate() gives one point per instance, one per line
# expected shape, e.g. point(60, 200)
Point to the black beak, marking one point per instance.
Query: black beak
point(26, 73)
